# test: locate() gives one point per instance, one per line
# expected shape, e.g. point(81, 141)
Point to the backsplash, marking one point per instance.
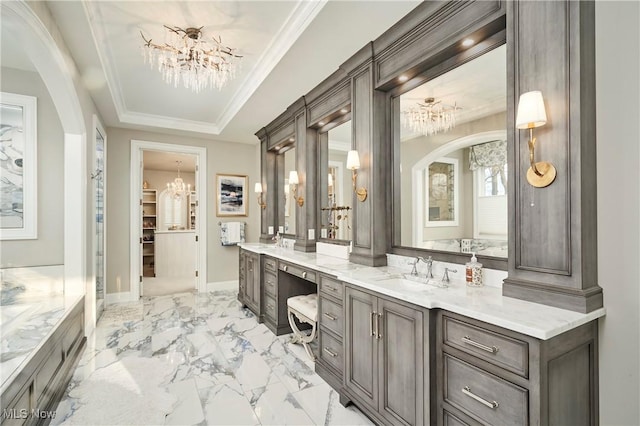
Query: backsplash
point(480, 246)
point(492, 277)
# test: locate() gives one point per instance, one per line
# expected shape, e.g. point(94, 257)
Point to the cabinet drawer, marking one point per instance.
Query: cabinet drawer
point(331, 350)
point(270, 308)
point(449, 419)
point(298, 271)
point(331, 316)
point(47, 372)
point(270, 284)
point(482, 395)
point(270, 264)
point(331, 287)
point(503, 351)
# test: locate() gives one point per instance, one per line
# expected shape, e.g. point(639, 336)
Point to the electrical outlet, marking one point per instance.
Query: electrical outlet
point(281, 229)
point(312, 234)
point(323, 233)
point(270, 232)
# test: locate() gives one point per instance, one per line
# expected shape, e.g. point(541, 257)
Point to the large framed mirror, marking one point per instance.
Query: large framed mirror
point(450, 161)
point(335, 191)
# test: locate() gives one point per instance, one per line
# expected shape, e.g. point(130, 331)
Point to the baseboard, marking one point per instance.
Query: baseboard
point(222, 285)
point(122, 297)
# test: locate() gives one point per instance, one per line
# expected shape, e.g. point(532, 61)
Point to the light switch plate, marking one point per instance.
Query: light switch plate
point(323, 233)
point(312, 234)
point(270, 230)
point(281, 229)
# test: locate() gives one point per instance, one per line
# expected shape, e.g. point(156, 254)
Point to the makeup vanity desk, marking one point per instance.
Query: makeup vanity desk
point(421, 354)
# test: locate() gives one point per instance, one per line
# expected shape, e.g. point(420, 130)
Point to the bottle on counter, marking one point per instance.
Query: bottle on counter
point(474, 272)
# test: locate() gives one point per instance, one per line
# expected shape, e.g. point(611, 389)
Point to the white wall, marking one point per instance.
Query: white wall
point(48, 248)
point(222, 157)
point(618, 117)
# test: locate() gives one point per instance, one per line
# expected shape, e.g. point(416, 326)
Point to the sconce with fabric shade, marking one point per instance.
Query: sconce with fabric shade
point(353, 163)
point(531, 114)
point(258, 190)
point(293, 184)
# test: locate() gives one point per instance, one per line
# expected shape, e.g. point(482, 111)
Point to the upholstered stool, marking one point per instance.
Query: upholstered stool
point(305, 308)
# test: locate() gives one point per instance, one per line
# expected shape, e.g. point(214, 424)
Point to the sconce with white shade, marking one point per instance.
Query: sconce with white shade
point(353, 163)
point(531, 114)
point(258, 190)
point(293, 184)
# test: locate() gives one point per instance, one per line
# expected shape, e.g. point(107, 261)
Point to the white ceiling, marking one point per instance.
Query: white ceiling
point(166, 161)
point(288, 47)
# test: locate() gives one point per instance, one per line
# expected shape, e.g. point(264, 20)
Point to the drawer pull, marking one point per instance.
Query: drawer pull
point(332, 288)
point(271, 307)
point(285, 267)
point(331, 317)
point(304, 274)
point(491, 404)
point(372, 315)
point(330, 352)
point(468, 341)
point(378, 326)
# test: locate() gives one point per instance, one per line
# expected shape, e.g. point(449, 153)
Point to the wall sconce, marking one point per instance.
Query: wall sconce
point(293, 183)
point(258, 190)
point(531, 114)
point(353, 163)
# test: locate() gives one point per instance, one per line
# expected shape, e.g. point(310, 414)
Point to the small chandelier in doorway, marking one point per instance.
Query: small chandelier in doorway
point(177, 189)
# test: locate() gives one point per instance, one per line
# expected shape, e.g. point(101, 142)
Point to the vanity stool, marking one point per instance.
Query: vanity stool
point(305, 308)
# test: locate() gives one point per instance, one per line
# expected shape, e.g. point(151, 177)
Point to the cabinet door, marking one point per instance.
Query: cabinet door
point(401, 355)
point(250, 278)
point(255, 299)
point(361, 352)
point(242, 277)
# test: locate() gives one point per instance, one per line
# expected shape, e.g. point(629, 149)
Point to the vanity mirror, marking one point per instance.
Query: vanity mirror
point(451, 160)
point(287, 185)
point(335, 182)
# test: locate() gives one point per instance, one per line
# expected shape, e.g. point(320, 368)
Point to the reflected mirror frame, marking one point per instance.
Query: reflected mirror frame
point(393, 207)
point(281, 148)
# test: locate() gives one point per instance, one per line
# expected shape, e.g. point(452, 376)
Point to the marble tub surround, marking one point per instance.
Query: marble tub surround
point(485, 303)
point(196, 359)
point(32, 306)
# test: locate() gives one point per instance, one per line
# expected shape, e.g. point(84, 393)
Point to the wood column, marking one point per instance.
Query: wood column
point(552, 230)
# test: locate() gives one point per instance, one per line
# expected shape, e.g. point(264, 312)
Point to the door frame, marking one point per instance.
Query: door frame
point(137, 147)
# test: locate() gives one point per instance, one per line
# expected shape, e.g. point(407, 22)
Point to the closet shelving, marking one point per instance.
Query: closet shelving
point(149, 223)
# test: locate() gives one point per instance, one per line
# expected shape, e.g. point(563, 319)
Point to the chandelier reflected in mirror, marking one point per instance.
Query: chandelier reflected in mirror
point(177, 189)
point(188, 57)
point(430, 117)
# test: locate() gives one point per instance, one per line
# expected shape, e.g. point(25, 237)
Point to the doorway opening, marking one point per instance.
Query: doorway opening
point(168, 224)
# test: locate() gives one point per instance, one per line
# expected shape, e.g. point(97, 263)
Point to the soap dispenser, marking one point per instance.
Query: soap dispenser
point(474, 272)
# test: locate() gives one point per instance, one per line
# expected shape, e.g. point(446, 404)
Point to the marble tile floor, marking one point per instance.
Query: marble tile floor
point(196, 359)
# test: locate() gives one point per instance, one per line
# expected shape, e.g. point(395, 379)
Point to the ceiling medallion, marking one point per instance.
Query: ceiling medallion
point(187, 56)
point(430, 117)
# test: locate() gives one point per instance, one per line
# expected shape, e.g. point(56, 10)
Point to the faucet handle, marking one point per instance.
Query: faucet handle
point(445, 277)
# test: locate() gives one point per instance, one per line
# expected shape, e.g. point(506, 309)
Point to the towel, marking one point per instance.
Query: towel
point(231, 233)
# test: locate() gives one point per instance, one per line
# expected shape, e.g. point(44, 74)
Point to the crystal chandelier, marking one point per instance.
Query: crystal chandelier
point(430, 117)
point(177, 189)
point(187, 56)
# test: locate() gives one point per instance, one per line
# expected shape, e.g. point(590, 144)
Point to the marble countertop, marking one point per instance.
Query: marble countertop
point(484, 303)
point(28, 316)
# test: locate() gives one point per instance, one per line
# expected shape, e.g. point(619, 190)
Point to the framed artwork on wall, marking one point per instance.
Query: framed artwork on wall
point(230, 197)
point(18, 167)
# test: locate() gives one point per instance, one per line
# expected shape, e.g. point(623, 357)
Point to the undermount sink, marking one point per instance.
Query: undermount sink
point(408, 282)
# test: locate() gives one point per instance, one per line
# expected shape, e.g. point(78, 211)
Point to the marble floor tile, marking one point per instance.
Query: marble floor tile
point(196, 359)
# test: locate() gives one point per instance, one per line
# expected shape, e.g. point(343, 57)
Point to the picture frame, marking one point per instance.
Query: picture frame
point(18, 167)
point(231, 195)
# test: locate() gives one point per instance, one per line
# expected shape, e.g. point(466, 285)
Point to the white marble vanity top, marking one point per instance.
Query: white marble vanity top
point(485, 303)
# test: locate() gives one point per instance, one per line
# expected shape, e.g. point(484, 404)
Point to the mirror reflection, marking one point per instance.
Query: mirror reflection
point(336, 208)
point(287, 217)
point(453, 160)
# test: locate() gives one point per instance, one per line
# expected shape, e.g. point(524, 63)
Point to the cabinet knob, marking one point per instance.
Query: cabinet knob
point(284, 268)
point(304, 274)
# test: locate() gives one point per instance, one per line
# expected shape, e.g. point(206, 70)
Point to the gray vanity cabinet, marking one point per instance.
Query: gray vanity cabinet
point(387, 358)
point(249, 280)
point(330, 358)
point(489, 375)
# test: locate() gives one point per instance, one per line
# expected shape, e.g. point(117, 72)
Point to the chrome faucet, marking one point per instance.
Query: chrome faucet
point(445, 277)
point(428, 261)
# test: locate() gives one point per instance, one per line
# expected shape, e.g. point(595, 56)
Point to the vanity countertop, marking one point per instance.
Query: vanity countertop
point(484, 303)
